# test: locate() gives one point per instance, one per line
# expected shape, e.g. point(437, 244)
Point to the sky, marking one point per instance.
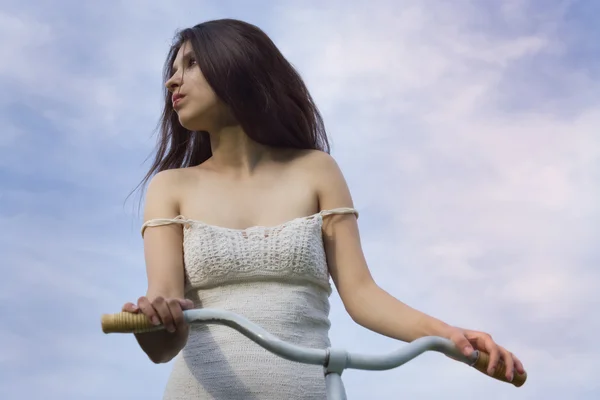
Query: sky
point(469, 134)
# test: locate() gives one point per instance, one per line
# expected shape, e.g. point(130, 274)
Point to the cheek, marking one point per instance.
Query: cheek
point(201, 91)
point(206, 98)
point(203, 99)
point(204, 103)
point(196, 79)
point(202, 106)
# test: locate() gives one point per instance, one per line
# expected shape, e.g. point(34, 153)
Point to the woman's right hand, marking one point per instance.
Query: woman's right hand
point(168, 312)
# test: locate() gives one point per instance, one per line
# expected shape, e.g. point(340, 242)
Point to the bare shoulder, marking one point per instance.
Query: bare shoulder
point(163, 179)
point(163, 194)
point(314, 161)
point(172, 179)
point(327, 178)
point(162, 184)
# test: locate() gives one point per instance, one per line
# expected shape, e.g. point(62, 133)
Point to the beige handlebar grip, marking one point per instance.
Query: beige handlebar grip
point(482, 365)
point(126, 322)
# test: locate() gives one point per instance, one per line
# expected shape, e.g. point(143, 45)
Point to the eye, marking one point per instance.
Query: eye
point(191, 62)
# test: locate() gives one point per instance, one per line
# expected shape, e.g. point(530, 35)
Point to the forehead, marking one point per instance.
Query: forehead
point(184, 50)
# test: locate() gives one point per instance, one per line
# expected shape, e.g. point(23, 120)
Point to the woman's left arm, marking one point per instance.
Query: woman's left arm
point(369, 305)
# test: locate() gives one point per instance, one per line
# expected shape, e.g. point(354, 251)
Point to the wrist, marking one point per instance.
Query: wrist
point(448, 331)
point(435, 327)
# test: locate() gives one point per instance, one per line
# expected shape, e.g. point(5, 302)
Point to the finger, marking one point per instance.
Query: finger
point(509, 363)
point(161, 307)
point(130, 307)
point(494, 353)
point(463, 344)
point(177, 313)
point(148, 310)
point(518, 365)
point(186, 304)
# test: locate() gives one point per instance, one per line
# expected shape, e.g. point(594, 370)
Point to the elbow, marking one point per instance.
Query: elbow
point(159, 358)
point(356, 317)
point(159, 347)
point(155, 358)
point(358, 301)
point(359, 316)
point(158, 354)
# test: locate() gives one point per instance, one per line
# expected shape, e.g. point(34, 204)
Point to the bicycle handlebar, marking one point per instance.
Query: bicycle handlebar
point(126, 322)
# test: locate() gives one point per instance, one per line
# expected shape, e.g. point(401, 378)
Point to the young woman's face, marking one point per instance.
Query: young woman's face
point(193, 99)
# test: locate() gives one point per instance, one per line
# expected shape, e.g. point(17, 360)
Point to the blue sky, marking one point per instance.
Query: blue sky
point(469, 133)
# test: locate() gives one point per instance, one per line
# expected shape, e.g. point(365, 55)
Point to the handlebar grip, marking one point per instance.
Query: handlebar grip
point(482, 363)
point(126, 322)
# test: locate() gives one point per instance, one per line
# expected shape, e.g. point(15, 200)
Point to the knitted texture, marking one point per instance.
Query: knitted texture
point(276, 277)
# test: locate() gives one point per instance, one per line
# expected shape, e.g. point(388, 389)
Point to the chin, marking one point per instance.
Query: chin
point(191, 124)
point(196, 118)
point(185, 124)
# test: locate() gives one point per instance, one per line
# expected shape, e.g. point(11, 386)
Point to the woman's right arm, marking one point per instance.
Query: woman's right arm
point(163, 251)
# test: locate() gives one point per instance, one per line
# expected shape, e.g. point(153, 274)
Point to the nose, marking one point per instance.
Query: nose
point(174, 82)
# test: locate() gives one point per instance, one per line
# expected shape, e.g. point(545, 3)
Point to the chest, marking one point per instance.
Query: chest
point(241, 204)
point(289, 252)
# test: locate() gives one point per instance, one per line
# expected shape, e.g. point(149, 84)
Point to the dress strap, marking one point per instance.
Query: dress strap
point(338, 211)
point(180, 219)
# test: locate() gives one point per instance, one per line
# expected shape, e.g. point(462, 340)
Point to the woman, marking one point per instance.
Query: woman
point(247, 211)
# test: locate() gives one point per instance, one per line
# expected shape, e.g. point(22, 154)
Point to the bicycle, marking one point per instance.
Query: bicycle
point(335, 361)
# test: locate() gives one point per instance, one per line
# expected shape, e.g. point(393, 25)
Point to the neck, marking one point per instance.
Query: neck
point(234, 152)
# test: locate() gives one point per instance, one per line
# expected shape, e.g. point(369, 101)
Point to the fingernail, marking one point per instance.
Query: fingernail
point(171, 329)
point(468, 349)
point(510, 379)
point(134, 307)
point(492, 371)
point(155, 321)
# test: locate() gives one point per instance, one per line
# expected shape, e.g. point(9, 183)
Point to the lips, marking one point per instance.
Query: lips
point(177, 98)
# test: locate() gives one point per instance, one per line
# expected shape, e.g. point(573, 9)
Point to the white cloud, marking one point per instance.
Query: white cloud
point(491, 208)
point(20, 54)
point(475, 211)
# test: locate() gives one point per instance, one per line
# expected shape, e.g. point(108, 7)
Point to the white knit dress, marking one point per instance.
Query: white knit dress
point(276, 277)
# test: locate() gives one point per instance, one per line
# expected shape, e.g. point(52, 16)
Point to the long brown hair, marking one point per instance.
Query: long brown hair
point(248, 73)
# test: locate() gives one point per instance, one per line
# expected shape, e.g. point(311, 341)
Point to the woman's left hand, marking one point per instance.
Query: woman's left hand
point(468, 341)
